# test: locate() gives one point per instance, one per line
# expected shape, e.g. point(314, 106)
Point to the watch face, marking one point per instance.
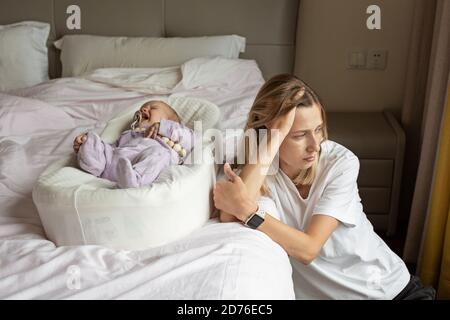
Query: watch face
point(255, 221)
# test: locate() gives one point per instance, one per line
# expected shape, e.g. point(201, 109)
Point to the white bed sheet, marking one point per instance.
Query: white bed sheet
point(219, 261)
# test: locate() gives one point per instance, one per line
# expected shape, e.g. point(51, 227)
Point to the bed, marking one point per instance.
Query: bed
point(39, 122)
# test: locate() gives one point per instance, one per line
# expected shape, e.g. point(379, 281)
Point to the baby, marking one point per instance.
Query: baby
point(156, 140)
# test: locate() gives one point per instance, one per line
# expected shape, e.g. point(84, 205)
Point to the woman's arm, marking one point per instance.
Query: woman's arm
point(303, 246)
point(232, 196)
point(253, 175)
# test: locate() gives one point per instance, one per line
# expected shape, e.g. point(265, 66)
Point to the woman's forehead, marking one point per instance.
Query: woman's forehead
point(307, 118)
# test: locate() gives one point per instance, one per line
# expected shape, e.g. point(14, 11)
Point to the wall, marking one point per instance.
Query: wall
point(328, 28)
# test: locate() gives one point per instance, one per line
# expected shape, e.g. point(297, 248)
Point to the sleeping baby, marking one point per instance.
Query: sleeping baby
point(155, 141)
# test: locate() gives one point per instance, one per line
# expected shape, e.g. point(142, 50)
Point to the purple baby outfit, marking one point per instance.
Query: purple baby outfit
point(133, 160)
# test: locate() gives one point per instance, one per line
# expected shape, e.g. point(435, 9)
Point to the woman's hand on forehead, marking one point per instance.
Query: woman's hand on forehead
point(283, 123)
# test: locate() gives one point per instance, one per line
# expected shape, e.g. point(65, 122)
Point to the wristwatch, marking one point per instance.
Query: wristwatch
point(255, 219)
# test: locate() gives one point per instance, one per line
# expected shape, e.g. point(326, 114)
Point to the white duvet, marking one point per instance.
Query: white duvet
point(37, 127)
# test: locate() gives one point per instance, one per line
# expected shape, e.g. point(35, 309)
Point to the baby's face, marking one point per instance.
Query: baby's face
point(154, 111)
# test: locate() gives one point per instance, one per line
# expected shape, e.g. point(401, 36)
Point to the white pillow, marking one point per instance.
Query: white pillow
point(83, 53)
point(23, 54)
point(220, 72)
point(148, 80)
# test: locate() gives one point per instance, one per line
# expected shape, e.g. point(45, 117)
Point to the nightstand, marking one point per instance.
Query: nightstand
point(378, 141)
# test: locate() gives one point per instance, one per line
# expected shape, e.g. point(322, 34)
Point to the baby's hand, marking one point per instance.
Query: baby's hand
point(152, 131)
point(79, 140)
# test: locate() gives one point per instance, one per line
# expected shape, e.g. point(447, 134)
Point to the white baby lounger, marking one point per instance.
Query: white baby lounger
point(78, 208)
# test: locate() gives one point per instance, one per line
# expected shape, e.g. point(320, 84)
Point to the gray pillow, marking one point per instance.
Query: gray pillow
point(83, 53)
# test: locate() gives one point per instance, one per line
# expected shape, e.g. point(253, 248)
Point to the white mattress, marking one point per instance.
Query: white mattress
point(218, 261)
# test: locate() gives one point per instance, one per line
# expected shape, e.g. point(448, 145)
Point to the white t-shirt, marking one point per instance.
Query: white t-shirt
point(354, 263)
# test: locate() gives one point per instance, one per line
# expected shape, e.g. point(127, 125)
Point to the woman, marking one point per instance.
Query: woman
point(334, 251)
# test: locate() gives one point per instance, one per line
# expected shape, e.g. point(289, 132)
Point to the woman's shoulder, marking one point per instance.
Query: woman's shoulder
point(336, 156)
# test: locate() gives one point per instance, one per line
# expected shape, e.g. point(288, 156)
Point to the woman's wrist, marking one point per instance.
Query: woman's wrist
point(248, 208)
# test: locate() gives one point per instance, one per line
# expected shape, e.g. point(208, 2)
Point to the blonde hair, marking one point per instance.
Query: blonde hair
point(279, 95)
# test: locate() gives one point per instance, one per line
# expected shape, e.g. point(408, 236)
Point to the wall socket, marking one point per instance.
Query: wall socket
point(377, 59)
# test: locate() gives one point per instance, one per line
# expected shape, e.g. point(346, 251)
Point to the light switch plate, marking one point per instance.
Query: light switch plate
point(356, 59)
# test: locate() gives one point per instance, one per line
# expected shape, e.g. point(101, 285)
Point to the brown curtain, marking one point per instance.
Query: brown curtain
point(422, 124)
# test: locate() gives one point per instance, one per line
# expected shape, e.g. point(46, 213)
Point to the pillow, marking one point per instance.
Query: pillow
point(23, 54)
point(83, 53)
point(220, 72)
point(148, 80)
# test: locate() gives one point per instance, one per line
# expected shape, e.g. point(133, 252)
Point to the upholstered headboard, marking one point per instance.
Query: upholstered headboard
point(268, 25)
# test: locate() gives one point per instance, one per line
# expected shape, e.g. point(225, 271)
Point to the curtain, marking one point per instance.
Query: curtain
point(431, 116)
point(411, 120)
point(434, 264)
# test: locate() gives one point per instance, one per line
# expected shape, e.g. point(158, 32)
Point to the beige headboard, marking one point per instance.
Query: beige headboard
point(268, 25)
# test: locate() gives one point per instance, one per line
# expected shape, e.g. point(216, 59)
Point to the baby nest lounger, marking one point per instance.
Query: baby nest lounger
point(78, 208)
